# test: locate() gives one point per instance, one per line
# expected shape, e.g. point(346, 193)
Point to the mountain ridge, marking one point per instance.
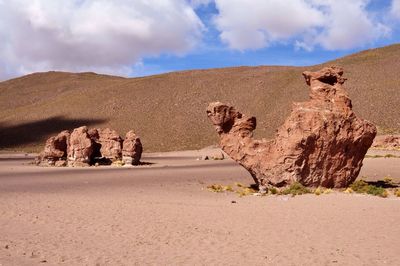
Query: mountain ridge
point(168, 110)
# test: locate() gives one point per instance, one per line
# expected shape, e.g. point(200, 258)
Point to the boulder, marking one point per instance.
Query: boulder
point(55, 150)
point(321, 143)
point(212, 155)
point(94, 136)
point(108, 144)
point(80, 148)
point(132, 149)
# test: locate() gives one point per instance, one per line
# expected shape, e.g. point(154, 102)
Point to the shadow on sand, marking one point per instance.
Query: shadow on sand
point(383, 184)
point(39, 131)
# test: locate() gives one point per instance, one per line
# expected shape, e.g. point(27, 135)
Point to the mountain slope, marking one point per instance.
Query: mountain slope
point(168, 110)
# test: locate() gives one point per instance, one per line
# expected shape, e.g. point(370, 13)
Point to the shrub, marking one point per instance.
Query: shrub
point(296, 189)
point(318, 191)
point(247, 191)
point(360, 186)
point(219, 188)
point(273, 191)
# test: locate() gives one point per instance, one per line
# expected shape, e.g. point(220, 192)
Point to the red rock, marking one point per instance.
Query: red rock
point(387, 142)
point(80, 148)
point(55, 150)
point(132, 149)
point(110, 143)
point(321, 143)
point(93, 134)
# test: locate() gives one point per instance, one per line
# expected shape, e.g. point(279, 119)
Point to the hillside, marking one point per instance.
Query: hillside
point(168, 110)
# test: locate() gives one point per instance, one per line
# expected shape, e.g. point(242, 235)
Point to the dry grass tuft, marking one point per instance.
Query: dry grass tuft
point(219, 188)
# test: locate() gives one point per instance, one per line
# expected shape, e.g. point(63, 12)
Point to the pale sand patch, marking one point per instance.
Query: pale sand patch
point(163, 215)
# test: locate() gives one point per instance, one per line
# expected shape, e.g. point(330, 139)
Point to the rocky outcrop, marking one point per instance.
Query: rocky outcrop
point(55, 150)
point(387, 142)
point(321, 143)
point(132, 149)
point(84, 147)
point(80, 148)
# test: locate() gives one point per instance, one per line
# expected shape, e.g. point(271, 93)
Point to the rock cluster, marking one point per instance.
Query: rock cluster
point(321, 143)
point(84, 147)
point(387, 142)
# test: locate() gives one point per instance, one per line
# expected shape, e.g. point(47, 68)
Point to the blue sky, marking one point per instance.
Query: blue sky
point(215, 54)
point(139, 37)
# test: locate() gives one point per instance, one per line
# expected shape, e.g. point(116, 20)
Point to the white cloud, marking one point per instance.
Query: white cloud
point(348, 25)
point(92, 35)
point(255, 24)
point(332, 24)
point(395, 8)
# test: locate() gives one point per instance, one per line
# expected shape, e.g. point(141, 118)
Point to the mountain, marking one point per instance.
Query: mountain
point(168, 110)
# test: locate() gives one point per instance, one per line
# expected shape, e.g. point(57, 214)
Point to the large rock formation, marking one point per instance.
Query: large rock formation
point(321, 143)
point(85, 147)
point(132, 149)
point(80, 148)
point(55, 150)
point(108, 144)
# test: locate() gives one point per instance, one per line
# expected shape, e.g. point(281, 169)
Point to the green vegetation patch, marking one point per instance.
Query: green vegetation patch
point(296, 189)
point(362, 187)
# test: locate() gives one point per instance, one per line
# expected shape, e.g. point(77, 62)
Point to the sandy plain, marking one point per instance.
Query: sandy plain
point(162, 214)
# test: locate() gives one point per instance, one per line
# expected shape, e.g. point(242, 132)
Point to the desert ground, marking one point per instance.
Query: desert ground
point(163, 214)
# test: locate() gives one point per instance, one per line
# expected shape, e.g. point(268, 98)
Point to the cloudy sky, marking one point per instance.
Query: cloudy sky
point(144, 37)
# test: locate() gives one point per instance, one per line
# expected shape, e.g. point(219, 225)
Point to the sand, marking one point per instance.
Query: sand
point(162, 214)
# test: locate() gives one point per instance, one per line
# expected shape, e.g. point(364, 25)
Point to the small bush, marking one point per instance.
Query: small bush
point(318, 191)
point(360, 186)
point(296, 189)
point(241, 189)
point(273, 191)
point(388, 180)
point(349, 190)
point(219, 188)
point(247, 191)
point(118, 163)
point(239, 184)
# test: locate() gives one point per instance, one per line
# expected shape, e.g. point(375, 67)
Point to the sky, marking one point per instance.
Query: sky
point(145, 37)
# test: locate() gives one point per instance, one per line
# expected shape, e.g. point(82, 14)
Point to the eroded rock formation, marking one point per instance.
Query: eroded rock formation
point(55, 150)
point(84, 147)
point(387, 142)
point(80, 147)
point(321, 143)
point(109, 143)
point(132, 149)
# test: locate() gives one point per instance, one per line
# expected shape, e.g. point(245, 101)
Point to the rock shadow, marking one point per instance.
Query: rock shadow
point(383, 184)
point(36, 132)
